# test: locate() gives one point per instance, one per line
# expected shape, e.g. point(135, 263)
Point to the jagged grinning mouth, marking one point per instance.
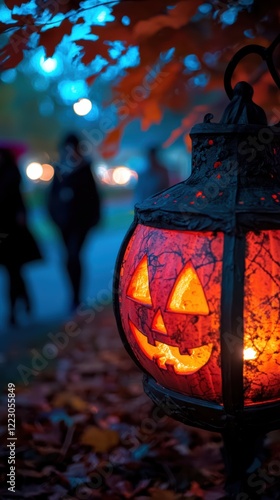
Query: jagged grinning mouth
point(163, 354)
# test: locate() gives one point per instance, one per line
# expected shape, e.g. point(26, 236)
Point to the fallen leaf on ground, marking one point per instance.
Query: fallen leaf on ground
point(101, 440)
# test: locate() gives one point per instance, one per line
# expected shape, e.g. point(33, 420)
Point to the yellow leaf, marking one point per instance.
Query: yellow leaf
point(101, 440)
point(68, 399)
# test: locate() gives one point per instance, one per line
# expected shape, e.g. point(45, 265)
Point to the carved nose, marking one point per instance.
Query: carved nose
point(158, 323)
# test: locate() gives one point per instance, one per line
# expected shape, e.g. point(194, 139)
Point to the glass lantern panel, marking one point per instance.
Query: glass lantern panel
point(262, 318)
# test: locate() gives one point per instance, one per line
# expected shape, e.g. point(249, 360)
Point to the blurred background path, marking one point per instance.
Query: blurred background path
point(47, 280)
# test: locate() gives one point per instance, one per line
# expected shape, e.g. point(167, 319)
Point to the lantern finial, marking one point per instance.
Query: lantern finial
point(242, 109)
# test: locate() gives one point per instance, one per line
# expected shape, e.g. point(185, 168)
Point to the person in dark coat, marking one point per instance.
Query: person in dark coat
point(17, 244)
point(74, 205)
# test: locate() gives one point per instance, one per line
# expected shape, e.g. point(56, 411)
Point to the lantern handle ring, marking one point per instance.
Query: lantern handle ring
point(266, 54)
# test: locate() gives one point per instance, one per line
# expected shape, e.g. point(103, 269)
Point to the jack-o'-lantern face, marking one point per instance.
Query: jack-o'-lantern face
point(169, 302)
point(187, 297)
point(169, 305)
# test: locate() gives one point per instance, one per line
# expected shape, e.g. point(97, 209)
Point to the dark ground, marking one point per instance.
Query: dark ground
point(86, 430)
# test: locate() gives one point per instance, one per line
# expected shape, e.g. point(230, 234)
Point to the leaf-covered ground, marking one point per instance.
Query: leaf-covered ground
point(86, 430)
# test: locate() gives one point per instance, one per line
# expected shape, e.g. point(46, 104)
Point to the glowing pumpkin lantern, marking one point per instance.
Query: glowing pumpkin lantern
point(197, 288)
point(197, 282)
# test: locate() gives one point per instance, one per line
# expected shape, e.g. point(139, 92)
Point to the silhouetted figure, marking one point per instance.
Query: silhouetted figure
point(17, 245)
point(153, 180)
point(74, 205)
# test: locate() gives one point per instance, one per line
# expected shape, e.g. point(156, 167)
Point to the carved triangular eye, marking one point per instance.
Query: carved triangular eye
point(158, 323)
point(188, 295)
point(138, 288)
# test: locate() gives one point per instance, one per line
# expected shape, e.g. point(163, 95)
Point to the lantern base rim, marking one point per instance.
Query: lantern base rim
point(260, 418)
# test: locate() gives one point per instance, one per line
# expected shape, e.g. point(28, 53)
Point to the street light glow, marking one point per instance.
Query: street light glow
point(48, 172)
point(121, 175)
point(34, 171)
point(82, 107)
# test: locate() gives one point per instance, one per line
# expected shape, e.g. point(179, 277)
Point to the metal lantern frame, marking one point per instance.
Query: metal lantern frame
point(234, 220)
point(244, 203)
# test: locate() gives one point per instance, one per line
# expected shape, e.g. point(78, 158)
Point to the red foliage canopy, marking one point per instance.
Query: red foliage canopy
point(156, 27)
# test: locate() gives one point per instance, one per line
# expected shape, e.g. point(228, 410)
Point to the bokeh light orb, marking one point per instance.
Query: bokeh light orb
point(48, 172)
point(122, 175)
point(82, 107)
point(48, 64)
point(34, 171)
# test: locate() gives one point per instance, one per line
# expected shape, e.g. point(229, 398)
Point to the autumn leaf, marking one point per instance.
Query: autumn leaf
point(12, 54)
point(14, 3)
point(151, 114)
point(68, 399)
point(47, 450)
point(196, 116)
point(93, 48)
point(184, 10)
point(45, 472)
point(158, 494)
point(140, 9)
point(51, 437)
point(51, 38)
point(63, 6)
point(196, 490)
point(176, 18)
point(114, 31)
point(6, 27)
point(101, 440)
point(188, 142)
point(109, 146)
point(91, 79)
point(26, 21)
point(166, 81)
point(127, 88)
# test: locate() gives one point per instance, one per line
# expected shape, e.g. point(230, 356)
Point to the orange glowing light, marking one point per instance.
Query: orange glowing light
point(249, 353)
point(261, 317)
point(158, 323)
point(163, 354)
point(48, 172)
point(138, 289)
point(187, 295)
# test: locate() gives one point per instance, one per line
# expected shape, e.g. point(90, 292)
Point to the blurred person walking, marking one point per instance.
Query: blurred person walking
point(153, 180)
point(75, 206)
point(17, 244)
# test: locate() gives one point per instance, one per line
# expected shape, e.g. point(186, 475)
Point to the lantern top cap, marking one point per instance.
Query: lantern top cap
point(242, 109)
point(242, 114)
